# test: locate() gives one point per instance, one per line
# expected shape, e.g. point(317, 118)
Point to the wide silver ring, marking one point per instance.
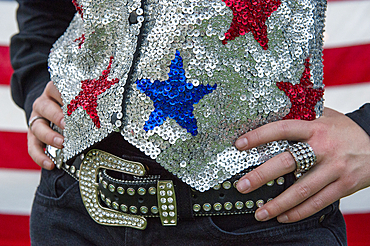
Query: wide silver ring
point(304, 157)
point(33, 119)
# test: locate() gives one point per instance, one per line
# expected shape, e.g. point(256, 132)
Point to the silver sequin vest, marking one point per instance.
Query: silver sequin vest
point(181, 80)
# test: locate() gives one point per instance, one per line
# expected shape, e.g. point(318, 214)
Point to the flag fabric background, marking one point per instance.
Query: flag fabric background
point(346, 76)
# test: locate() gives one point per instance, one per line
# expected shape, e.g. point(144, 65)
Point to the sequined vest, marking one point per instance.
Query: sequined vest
point(182, 79)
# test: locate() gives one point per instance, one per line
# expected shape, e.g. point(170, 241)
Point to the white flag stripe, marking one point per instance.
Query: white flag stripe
point(347, 23)
point(12, 117)
point(8, 21)
point(347, 98)
point(357, 203)
point(18, 189)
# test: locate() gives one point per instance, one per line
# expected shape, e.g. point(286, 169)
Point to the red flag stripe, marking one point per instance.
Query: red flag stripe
point(358, 229)
point(6, 69)
point(347, 65)
point(14, 230)
point(13, 154)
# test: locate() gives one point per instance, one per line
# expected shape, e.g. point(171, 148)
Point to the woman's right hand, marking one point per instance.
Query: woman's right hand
point(47, 106)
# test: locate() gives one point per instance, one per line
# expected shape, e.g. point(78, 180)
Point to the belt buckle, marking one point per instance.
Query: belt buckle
point(93, 161)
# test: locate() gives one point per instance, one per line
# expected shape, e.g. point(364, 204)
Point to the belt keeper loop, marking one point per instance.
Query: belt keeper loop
point(167, 202)
point(184, 201)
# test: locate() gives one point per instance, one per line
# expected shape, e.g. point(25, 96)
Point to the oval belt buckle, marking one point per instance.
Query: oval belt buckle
point(93, 161)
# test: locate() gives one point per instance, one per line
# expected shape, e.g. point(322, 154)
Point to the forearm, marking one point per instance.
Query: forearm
point(40, 23)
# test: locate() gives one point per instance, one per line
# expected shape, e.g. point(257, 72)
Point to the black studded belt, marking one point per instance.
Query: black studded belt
point(126, 200)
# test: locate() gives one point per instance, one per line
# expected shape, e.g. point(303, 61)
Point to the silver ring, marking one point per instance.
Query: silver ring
point(33, 119)
point(304, 157)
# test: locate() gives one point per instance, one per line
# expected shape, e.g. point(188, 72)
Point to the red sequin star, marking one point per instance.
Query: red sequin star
point(302, 96)
point(80, 40)
point(88, 97)
point(250, 16)
point(79, 9)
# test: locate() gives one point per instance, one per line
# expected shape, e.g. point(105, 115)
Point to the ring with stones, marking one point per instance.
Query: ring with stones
point(304, 157)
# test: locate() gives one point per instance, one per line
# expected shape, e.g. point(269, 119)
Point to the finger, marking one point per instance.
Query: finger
point(52, 91)
point(300, 191)
point(315, 203)
point(36, 151)
point(50, 110)
point(42, 131)
point(283, 129)
point(275, 167)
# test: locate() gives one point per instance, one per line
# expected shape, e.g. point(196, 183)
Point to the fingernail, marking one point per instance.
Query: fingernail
point(243, 185)
point(62, 123)
point(47, 165)
point(58, 141)
point(241, 143)
point(262, 215)
point(282, 218)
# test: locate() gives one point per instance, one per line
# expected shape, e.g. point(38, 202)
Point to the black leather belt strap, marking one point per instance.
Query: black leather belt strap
point(139, 196)
point(136, 195)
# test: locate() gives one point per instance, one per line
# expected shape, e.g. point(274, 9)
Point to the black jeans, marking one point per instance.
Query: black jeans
point(59, 218)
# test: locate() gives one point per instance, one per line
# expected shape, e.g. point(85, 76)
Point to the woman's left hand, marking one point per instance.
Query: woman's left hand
point(343, 164)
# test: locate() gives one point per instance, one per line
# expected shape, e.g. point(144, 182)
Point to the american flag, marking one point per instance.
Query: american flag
point(347, 79)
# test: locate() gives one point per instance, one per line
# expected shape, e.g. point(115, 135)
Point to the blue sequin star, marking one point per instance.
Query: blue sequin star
point(174, 98)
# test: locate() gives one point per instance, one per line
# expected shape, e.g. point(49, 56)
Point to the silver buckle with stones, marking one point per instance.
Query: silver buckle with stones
point(93, 161)
point(88, 176)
